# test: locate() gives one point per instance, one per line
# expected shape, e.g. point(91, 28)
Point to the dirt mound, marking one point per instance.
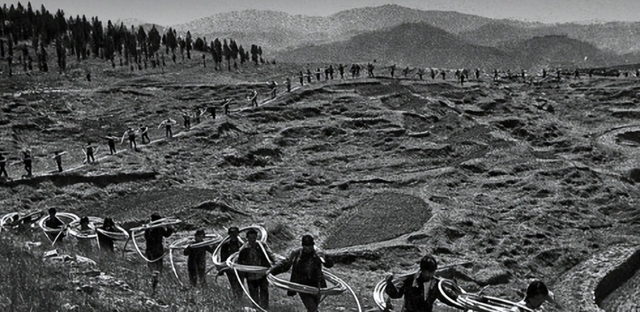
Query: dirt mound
point(382, 217)
point(259, 157)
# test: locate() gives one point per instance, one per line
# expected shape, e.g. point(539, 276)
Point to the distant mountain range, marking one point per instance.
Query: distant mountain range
point(396, 34)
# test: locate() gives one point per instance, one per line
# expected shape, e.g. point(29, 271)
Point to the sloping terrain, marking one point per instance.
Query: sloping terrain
point(522, 181)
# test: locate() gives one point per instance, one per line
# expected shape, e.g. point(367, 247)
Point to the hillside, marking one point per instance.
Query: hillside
point(559, 51)
point(617, 37)
point(278, 30)
point(506, 181)
point(424, 45)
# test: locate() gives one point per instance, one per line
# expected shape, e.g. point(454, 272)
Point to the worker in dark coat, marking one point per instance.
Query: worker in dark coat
point(197, 261)
point(306, 269)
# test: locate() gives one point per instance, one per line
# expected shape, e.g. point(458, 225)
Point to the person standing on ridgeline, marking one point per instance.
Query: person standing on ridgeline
point(58, 159)
point(318, 73)
point(420, 73)
point(105, 242)
point(144, 134)
point(301, 77)
point(576, 74)
point(131, 134)
point(274, 89)
point(309, 75)
point(477, 72)
point(27, 161)
point(225, 107)
point(88, 151)
point(287, 82)
point(186, 120)
point(306, 269)
point(3, 166)
point(462, 76)
point(495, 74)
point(331, 72)
point(406, 71)
point(155, 248)
point(228, 248)
point(544, 73)
point(433, 74)
point(167, 123)
point(111, 141)
point(256, 253)
point(443, 73)
point(197, 261)
point(341, 70)
point(392, 70)
point(253, 97)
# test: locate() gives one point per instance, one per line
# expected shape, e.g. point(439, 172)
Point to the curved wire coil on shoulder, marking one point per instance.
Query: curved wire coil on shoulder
point(58, 231)
point(6, 221)
point(137, 231)
point(210, 239)
point(220, 264)
point(75, 231)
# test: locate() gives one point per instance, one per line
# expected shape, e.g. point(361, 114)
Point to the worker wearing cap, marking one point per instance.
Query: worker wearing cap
point(255, 253)
point(306, 264)
point(420, 290)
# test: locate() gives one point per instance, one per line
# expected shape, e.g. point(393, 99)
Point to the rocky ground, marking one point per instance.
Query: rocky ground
point(519, 180)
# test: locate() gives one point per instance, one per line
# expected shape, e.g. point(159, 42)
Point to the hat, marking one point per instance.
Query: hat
point(252, 231)
point(233, 229)
point(428, 263)
point(539, 288)
point(307, 240)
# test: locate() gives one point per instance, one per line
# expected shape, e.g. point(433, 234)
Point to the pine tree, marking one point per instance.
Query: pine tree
point(154, 40)
point(188, 43)
point(226, 51)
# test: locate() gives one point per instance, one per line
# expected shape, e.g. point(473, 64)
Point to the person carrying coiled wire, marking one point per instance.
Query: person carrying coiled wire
point(306, 269)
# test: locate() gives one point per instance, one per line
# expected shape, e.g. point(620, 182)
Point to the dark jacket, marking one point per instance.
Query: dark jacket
point(228, 248)
point(259, 255)
point(55, 223)
point(105, 242)
point(306, 268)
point(154, 238)
point(413, 291)
point(197, 257)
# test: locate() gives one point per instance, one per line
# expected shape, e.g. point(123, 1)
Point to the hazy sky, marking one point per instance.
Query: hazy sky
point(171, 12)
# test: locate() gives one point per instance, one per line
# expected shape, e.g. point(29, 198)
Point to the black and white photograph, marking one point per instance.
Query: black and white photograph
point(350, 156)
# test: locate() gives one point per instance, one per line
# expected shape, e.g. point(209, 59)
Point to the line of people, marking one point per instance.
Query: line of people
point(419, 290)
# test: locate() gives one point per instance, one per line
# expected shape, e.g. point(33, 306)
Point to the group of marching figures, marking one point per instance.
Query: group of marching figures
point(251, 266)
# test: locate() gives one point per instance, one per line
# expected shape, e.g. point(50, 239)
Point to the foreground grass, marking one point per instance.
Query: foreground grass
point(28, 282)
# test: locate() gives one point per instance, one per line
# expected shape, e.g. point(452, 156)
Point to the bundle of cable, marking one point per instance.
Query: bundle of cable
point(63, 216)
point(121, 233)
point(232, 262)
point(474, 302)
point(156, 224)
point(7, 220)
point(210, 239)
point(151, 225)
point(220, 264)
point(379, 291)
point(75, 231)
point(337, 285)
